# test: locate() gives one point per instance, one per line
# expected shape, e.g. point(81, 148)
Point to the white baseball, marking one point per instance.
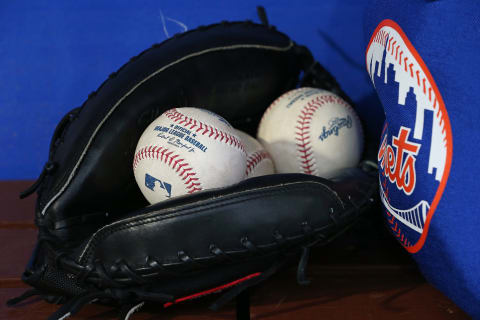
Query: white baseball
point(259, 162)
point(186, 150)
point(312, 131)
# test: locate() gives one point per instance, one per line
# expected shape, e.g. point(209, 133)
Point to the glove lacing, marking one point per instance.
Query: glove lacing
point(131, 299)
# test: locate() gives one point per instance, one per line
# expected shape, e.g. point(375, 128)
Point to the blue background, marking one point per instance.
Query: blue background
point(54, 53)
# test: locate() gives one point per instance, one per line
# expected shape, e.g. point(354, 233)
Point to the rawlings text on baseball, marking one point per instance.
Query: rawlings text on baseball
point(312, 131)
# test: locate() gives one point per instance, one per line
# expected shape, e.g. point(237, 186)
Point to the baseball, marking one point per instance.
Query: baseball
point(259, 162)
point(312, 131)
point(186, 150)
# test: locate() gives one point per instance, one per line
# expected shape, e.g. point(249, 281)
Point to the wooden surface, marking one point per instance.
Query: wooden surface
point(362, 275)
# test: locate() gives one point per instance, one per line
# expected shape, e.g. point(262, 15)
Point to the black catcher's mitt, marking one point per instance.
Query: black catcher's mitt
point(99, 240)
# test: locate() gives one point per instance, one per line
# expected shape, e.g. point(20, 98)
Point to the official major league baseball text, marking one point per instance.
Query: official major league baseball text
point(187, 150)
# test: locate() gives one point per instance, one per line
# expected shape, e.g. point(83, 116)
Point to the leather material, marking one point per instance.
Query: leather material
point(233, 69)
point(255, 209)
point(207, 239)
point(99, 239)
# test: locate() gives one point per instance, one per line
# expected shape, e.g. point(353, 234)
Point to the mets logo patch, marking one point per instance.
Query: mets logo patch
point(416, 143)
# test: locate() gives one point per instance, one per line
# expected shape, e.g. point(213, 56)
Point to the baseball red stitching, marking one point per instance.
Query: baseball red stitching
point(414, 73)
point(254, 159)
point(397, 231)
point(302, 136)
point(276, 101)
point(204, 129)
point(181, 167)
point(381, 37)
point(302, 133)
